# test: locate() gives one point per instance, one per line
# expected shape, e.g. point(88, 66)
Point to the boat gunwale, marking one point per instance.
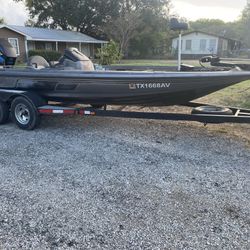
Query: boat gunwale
point(118, 74)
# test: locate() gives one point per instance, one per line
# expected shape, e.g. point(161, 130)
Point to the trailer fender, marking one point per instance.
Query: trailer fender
point(37, 100)
point(9, 95)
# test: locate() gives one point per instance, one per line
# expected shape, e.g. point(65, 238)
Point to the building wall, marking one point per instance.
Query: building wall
point(6, 33)
point(88, 49)
point(197, 44)
point(42, 45)
point(223, 49)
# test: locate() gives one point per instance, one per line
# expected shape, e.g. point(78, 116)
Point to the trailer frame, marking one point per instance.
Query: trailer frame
point(37, 106)
point(239, 115)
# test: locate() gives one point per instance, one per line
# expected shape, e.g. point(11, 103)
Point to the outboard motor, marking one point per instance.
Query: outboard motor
point(7, 53)
point(210, 59)
point(73, 58)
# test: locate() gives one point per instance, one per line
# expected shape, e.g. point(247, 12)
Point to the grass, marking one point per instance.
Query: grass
point(18, 64)
point(156, 62)
point(237, 95)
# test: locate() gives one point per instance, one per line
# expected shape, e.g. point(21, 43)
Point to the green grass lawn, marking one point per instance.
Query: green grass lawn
point(237, 95)
point(156, 62)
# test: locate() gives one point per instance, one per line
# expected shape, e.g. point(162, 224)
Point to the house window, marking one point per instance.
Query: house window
point(203, 44)
point(31, 45)
point(188, 44)
point(15, 44)
point(212, 46)
point(48, 46)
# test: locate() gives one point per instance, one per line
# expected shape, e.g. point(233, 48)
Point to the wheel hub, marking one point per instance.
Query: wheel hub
point(22, 114)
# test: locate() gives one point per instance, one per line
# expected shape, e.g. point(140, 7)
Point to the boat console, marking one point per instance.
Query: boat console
point(72, 59)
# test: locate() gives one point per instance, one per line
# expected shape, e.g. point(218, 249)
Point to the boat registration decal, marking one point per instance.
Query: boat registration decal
point(149, 85)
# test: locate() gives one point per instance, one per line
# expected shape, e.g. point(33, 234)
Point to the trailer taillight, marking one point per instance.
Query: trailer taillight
point(86, 112)
point(46, 111)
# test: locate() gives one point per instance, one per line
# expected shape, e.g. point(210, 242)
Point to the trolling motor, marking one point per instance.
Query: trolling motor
point(175, 25)
point(210, 59)
point(7, 53)
point(218, 62)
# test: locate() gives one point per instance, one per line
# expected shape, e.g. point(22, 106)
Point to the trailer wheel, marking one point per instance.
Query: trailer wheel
point(212, 110)
point(24, 113)
point(4, 112)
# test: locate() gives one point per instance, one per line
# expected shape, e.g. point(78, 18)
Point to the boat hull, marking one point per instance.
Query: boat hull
point(120, 88)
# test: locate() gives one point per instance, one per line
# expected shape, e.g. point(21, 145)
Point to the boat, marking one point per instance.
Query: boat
point(73, 79)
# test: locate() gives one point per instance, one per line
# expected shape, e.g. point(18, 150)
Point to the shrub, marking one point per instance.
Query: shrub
point(109, 54)
point(48, 55)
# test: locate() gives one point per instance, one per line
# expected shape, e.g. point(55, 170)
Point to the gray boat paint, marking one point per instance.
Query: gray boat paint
point(125, 88)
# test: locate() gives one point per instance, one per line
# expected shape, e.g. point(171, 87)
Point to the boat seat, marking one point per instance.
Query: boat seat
point(38, 62)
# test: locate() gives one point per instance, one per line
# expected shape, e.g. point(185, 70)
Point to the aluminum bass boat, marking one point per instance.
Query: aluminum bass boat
point(119, 88)
point(73, 79)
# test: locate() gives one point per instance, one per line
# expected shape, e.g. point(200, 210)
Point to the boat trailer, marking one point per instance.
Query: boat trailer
point(26, 108)
point(238, 115)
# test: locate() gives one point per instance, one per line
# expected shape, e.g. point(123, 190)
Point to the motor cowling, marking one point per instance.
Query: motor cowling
point(7, 53)
point(73, 58)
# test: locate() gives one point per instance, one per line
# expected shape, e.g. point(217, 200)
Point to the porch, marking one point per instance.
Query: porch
point(89, 49)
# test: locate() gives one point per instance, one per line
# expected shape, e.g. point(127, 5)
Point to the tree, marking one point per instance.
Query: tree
point(153, 36)
point(2, 20)
point(109, 54)
point(215, 26)
point(85, 16)
point(123, 29)
point(121, 20)
point(245, 24)
point(143, 19)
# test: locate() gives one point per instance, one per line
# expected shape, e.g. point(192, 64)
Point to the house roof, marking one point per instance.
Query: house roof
point(207, 33)
point(42, 34)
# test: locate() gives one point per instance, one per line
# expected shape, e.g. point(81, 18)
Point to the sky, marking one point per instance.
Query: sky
point(13, 13)
point(227, 10)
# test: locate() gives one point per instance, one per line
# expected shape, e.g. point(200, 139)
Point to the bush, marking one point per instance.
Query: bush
point(48, 55)
point(109, 54)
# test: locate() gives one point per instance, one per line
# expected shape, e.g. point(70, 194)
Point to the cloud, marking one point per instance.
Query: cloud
point(227, 10)
point(13, 13)
point(213, 9)
point(218, 3)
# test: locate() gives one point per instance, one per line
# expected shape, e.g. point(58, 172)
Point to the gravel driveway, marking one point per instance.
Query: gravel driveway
point(99, 183)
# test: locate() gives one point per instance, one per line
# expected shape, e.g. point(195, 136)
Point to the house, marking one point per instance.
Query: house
point(196, 44)
point(24, 39)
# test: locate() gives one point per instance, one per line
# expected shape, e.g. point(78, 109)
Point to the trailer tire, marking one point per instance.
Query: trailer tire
point(4, 112)
point(24, 113)
point(212, 110)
